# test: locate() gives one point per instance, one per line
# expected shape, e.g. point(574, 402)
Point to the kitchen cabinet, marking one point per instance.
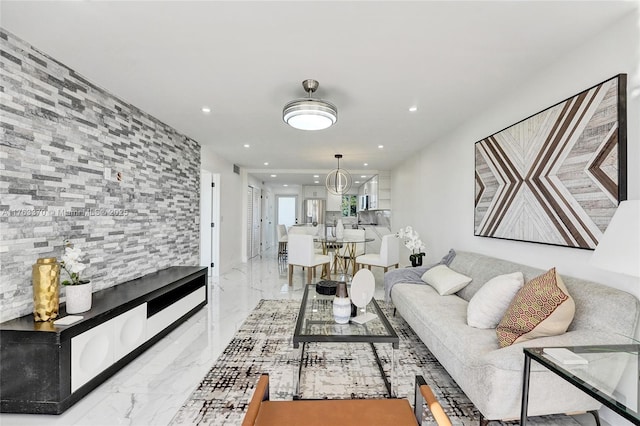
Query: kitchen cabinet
point(384, 191)
point(378, 189)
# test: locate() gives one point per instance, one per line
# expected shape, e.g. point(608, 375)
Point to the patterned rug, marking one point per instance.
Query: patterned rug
point(263, 344)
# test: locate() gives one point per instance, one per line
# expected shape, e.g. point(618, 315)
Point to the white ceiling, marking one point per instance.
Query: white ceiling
point(373, 60)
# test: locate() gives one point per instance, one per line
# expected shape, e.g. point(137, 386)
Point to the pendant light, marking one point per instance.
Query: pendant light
point(339, 180)
point(310, 113)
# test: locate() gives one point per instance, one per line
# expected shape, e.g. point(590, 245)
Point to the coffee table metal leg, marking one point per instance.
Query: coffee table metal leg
point(393, 372)
point(296, 378)
point(387, 383)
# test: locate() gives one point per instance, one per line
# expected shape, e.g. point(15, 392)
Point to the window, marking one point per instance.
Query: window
point(349, 205)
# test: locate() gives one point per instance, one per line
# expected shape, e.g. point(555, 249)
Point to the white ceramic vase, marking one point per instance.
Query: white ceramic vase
point(341, 309)
point(78, 298)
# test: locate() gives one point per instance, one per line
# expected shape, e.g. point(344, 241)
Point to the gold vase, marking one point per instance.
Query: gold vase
point(46, 284)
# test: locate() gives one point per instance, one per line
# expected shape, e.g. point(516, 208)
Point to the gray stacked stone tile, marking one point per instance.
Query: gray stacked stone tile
point(58, 134)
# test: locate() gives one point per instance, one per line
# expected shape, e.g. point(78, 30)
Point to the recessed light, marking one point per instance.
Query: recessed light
point(366, 164)
point(363, 176)
point(380, 146)
point(316, 181)
point(285, 184)
point(316, 176)
point(246, 145)
point(206, 109)
point(274, 175)
point(413, 108)
point(357, 181)
point(266, 163)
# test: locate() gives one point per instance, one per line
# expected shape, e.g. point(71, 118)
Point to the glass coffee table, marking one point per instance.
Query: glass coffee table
point(608, 373)
point(316, 324)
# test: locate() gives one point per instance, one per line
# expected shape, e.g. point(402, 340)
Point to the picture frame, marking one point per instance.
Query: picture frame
point(557, 176)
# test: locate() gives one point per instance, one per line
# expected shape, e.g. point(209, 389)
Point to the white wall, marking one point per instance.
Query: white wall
point(434, 190)
point(232, 196)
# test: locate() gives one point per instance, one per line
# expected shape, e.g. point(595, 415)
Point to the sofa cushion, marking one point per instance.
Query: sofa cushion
point(487, 307)
point(445, 280)
point(542, 307)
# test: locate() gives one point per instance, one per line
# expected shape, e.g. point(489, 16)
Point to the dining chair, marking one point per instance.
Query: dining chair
point(389, 254)
point(301, 252)
point(282, 242)
point(349, 251)
point(296, 230)
point(319, 233)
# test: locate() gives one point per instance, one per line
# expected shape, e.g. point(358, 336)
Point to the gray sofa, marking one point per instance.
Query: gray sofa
point(492, 377)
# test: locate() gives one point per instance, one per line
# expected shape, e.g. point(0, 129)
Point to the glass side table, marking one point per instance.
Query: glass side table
point(610, 376)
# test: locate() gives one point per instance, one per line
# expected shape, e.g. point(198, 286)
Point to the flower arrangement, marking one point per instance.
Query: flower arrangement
point(412, 241)
point(71, 263)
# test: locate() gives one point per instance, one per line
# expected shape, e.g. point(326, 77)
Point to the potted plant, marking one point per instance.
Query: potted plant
point(412, 241)
point(78, 290)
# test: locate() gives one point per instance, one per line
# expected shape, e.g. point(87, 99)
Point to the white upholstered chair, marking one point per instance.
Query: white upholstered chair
point(282, 242)
point(301, 252)
point(389, 254)
point(296, 230)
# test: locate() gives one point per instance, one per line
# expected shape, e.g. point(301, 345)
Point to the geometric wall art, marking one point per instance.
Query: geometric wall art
point(557, 176)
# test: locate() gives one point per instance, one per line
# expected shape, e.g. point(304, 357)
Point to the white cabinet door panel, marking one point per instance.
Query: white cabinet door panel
point(91, 353)
point(129, 330)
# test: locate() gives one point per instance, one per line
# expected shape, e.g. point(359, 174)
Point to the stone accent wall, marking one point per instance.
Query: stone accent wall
point(63, 142)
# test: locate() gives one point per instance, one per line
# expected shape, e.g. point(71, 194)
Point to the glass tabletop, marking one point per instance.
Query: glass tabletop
point(316, 324)
point(610, 374)
point(339, 241)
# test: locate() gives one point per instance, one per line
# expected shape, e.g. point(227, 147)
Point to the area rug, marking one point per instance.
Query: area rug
point(263, 344)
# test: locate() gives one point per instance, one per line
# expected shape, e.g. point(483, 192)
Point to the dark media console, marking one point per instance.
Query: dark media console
point(46, 368)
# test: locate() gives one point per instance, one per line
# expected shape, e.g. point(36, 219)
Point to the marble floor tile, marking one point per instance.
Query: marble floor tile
point(151, 389)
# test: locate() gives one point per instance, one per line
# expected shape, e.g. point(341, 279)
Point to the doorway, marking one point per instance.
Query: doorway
point(286, 210)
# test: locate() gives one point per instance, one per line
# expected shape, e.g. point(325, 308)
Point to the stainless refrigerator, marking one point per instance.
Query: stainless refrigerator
point(314, 210)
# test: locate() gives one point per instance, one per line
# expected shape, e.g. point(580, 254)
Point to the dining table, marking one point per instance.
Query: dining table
point(346, 266)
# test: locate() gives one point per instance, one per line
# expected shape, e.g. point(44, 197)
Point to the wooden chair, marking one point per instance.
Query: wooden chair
point(301, 252)
point(424, 394)
point(352, 412)
point(389, 254)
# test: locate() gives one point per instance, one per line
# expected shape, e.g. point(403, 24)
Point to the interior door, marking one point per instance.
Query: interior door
point(253, 221)
point(268, 227)
point(209, 221)
point(257, 223)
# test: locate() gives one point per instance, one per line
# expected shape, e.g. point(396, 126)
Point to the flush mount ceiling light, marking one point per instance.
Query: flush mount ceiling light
point(338, 180)
point(310, 113)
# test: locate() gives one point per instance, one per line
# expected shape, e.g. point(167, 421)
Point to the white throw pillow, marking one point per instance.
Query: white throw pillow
point(487, 307)
point(445, 280)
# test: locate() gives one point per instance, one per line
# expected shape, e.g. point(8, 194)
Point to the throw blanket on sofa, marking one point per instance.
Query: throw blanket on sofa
point(411, 275)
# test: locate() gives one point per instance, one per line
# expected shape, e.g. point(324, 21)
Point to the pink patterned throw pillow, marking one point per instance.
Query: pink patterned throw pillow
point(542, 307)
